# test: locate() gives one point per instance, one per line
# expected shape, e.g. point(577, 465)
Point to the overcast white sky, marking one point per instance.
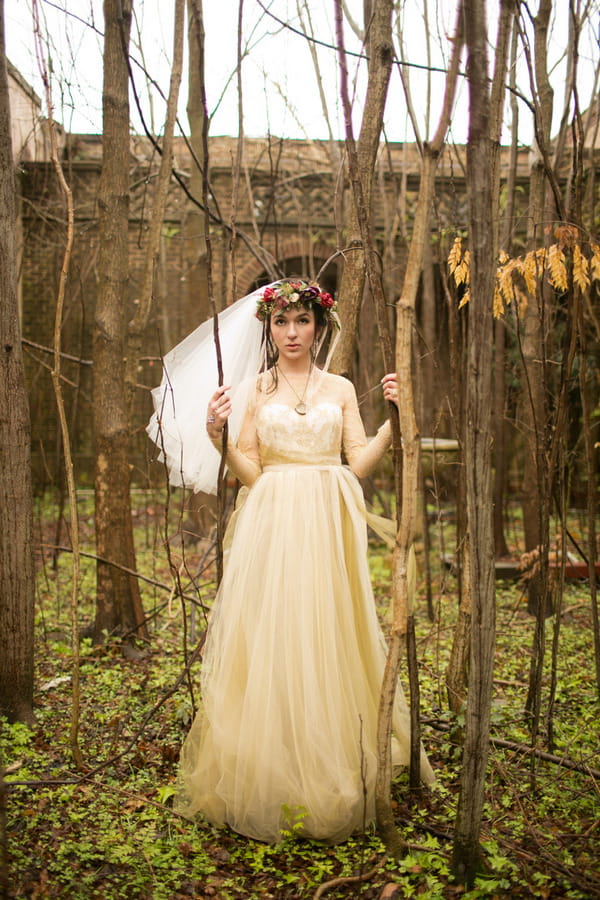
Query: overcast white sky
point(279, 81)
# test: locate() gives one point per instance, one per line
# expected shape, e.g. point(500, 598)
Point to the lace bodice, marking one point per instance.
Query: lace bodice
point(284, 437)
point(273, 434)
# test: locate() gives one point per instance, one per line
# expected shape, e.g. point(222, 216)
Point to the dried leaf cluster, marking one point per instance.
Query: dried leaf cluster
point(564, 264)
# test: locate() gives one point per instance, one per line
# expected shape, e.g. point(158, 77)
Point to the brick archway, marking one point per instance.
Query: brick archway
point(292, 248)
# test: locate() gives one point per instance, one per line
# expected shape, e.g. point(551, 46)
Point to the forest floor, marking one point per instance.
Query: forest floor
point(107, 830)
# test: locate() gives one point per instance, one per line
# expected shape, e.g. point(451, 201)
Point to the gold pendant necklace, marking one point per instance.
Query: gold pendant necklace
point(301, 408)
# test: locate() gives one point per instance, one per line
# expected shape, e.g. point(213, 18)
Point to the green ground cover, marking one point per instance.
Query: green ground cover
point(109, 831)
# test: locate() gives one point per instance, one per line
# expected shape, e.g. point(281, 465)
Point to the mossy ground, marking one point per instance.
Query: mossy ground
point(109, 831)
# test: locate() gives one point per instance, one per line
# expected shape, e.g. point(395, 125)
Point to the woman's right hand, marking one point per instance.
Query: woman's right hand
point(219, 410)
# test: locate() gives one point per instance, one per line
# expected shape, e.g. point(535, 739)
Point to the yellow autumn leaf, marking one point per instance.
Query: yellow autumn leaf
point(595, 262)
point(504, 279)
point(455, 255)
point(462, 273)
point(557, 268)
point(529, 271)
point(580, 269)
point(465, 299)
point(498, 306)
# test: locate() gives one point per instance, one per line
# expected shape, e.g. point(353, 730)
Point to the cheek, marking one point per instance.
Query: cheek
point(277, 335)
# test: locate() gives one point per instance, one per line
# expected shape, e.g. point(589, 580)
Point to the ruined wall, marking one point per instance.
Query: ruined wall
point(290, 204)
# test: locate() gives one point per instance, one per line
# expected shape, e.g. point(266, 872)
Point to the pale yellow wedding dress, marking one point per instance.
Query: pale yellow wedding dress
point(294, 656)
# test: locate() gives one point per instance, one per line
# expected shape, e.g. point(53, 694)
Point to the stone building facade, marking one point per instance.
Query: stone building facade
point(289, 213)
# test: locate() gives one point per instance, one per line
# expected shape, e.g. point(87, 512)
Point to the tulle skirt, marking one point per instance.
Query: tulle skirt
point(285, 739)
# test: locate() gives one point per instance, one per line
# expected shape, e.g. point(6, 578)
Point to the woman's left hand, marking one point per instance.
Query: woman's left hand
point(390, 387)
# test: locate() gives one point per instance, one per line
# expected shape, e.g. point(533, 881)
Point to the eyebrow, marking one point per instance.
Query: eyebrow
point(283, 315)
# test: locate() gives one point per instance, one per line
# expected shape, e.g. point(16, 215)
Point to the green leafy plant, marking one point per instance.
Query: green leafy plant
point(110, 832)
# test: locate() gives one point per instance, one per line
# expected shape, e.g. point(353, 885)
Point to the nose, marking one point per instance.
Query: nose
point(291, 329)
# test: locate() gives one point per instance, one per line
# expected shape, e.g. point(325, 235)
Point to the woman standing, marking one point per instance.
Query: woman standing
point(294, 656)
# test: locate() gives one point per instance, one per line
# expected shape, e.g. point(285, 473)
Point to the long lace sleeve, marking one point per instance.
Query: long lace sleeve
point(362, 455)
point(243, 459)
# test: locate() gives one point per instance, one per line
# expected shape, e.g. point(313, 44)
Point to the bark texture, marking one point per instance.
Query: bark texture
point(407, 482)
point(118, 604)
point(481, 150)
point(381, 55)
point(533, 413)
point(17, 576)
point(195, 234)
point(458, 669)
point(144, 303)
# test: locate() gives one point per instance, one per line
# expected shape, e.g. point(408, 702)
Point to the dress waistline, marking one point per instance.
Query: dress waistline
point(319, 467)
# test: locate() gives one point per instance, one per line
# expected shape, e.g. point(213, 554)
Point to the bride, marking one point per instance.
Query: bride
point(285, 738)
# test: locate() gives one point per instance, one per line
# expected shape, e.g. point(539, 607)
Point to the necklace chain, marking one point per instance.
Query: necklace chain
point(300, 407)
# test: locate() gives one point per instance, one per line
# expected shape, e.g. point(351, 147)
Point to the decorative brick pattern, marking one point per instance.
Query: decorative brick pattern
point(287, 207)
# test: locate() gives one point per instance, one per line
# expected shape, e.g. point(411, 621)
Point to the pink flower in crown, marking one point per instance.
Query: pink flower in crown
point(268, 295)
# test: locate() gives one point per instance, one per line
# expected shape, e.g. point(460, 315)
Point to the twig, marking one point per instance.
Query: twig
point(348, 879)
point(128, 571)
point(139, 322)
point(563, 761)
point(56, 383)
point(50, 350)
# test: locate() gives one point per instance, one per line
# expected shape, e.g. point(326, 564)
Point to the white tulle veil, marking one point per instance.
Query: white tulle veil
point(190, 377)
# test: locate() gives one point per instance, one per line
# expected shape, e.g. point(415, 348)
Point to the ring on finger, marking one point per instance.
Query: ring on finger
point(210, 420)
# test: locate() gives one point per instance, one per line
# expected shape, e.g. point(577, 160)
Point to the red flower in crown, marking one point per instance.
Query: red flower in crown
point(326, 300)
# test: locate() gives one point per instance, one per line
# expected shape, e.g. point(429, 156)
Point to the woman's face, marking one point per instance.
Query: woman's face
point(293, 332)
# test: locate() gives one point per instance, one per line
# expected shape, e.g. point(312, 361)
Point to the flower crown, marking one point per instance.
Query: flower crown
point(293, 293)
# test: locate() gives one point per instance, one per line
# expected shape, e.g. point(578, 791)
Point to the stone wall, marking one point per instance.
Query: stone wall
point(290, 205)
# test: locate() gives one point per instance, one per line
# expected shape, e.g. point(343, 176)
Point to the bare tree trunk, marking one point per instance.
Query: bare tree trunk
point(138, 323)
point(458, 668)
point(407, 484)
point(507, 26)
point(533, 412)
point(385, 820)
point(500, 442)
point(350, 292)
point(428, 330)
point(592, 499)
point(499, 401)
point(17, 575)
point(118, 604)
point(481, 152)
point(457, 673)
point(458, 664)
point(194, 232)
point(403, 620)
